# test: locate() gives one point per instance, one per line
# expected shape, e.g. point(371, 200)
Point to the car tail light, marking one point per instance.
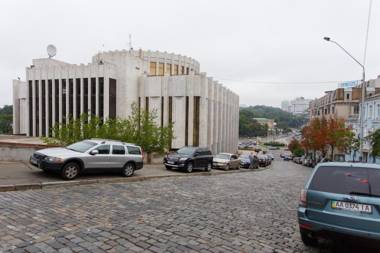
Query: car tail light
point(303, 198)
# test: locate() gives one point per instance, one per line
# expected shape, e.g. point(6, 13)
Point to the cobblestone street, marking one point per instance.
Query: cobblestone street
point(239, 212)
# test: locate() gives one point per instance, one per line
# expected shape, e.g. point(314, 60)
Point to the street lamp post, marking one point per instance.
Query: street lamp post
point(361, 115)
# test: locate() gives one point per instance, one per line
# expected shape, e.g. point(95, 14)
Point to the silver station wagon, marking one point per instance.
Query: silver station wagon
point(92, 154)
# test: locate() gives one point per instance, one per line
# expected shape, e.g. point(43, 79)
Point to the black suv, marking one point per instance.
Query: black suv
point(189, 158)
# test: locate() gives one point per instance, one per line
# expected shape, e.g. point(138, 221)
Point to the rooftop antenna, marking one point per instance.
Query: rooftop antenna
point(130, 42)
point(51, 50)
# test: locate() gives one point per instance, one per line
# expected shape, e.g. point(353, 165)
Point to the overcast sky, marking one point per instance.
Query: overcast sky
point(266, 51)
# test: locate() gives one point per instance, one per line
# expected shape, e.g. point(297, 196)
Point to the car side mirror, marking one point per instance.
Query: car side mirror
point(94, 152)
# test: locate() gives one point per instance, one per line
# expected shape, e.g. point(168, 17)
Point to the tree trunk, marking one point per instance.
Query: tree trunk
point(332, 153)
point(354, 156)
point(149, 158)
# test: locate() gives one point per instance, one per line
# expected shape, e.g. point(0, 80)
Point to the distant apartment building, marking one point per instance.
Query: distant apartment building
point(296, 106)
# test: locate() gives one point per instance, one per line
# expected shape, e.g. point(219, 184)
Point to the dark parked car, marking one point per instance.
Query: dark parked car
point(264, 160)
point(189, 158)
point(245, 162)
point(341, 199)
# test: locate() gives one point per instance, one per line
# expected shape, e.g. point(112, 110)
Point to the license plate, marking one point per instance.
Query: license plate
point(350, 206)
point(170, 162)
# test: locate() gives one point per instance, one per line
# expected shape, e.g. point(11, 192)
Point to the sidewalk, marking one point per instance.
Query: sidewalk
point(21, 176)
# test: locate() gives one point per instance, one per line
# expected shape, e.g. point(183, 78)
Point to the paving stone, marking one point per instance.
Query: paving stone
point(239, 212)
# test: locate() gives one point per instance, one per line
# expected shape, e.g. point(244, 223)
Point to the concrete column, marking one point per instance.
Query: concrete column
point(16, 107)
point(191, 122)
point(106, 97)
point(75, 98)
point(67, 100)
point(60, 101)
point(39, 107)
point(53, 102)
point(89, 96)
point(97, 96)
point(81, 95)
point(34, 133)
point(47, 130)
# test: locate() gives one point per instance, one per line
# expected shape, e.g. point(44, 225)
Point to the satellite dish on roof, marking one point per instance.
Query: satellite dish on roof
point(51, 50)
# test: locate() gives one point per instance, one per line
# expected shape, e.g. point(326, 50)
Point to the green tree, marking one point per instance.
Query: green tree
point(375, 142)
point(139, 128)
point(6, 119)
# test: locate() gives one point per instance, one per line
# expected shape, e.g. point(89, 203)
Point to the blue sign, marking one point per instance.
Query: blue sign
point(349, 84)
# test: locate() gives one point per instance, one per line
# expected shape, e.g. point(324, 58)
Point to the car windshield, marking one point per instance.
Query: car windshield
point(347, 180)
point(244, 156)
point(186, 151)
point(223, 156)
point(81, 146)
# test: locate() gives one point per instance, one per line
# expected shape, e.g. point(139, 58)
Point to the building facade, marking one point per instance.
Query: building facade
point(338, 103)
point(296, 106)
point(203, 111)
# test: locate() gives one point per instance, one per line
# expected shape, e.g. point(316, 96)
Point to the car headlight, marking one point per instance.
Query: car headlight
point(183, 159)
point(53, 159)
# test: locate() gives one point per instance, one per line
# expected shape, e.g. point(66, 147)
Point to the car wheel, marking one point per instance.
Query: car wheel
point(227, 167)
point(168, 167)
point(70, 171)
point(308, 239)
point(208, 167)
point(128, 169)
point(189, 167)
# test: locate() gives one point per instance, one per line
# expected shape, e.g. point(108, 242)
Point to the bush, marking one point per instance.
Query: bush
point(140, 128)
point(274, 144)
point(298, 152)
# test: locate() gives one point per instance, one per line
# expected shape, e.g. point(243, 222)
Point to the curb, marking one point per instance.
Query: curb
point(56, 184)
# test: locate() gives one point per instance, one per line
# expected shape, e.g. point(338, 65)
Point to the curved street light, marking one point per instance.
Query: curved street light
point(361, 115)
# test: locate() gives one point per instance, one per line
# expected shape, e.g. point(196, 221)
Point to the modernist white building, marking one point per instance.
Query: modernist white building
point(296, 106)
point(204, 112)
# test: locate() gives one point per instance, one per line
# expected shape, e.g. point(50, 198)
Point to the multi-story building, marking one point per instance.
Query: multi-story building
point(204, 112)
point(296, 106)
point(338, 103)
point(371, 117)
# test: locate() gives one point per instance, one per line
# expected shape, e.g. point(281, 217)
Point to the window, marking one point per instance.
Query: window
point(101, 97)
point(63, 111)
point(168, 68)
point(133, 150)
point(161, 69)
point(341, 180)
point(81, 146)
point(43, 107)
point(56, 95)
point(348, 96)
point(118, 150)
point(182, 70)
point(152, 68)
point(196, 119)
point(112, 98)
point(93, 96)
point(71, 94)
point(187, 121)
point(370, 111)
point(103, 149)
point(187, 71)
point(378, 110)
point(85, 95)
point(175, 72)
point(78, 95)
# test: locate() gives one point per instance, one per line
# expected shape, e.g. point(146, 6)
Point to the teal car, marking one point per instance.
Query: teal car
point(341, 200)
